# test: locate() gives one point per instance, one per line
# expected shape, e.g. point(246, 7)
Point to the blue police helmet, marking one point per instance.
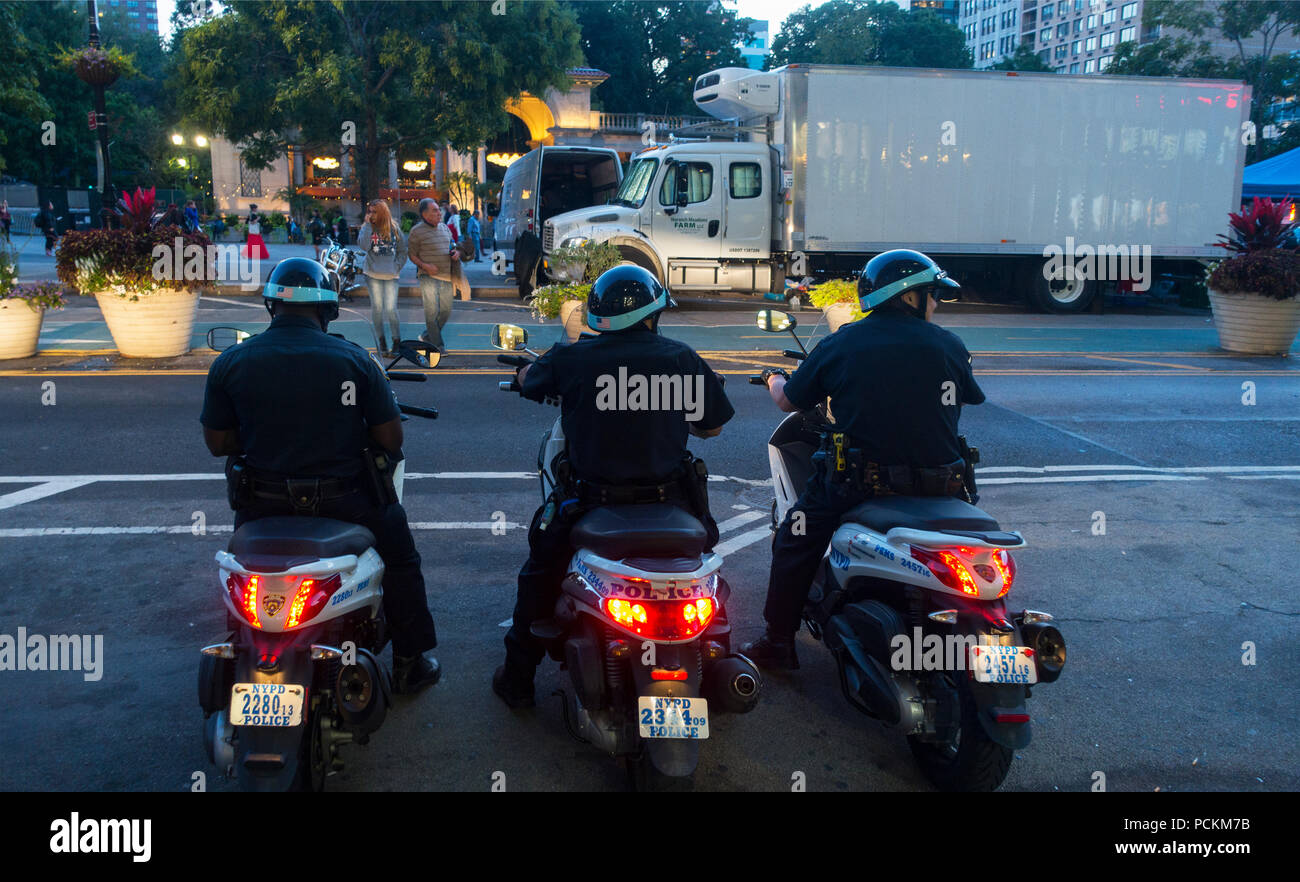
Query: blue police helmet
point(299, 280)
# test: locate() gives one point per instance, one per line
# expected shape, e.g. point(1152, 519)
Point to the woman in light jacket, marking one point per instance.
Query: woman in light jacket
point(385, 247)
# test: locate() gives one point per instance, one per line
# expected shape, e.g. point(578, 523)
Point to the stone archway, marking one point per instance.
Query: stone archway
point(537, 115)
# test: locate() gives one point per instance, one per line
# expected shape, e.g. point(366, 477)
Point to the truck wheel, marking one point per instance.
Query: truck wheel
point(1060, 295)
point(636, 258)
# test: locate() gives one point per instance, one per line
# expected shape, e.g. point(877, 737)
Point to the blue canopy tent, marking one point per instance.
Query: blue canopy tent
point(1275, 177)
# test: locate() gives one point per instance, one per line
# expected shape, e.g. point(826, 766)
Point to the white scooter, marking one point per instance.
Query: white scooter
point(299, 674)
point(911, 599)
point(641, 627)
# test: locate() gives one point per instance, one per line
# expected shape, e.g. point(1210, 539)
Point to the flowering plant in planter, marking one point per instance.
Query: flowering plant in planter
point(1265, 259)
point(547, 300)
point(1255, 293)
point(100, 67)
point(136, 259)
point(827, 294)
point(38, 295)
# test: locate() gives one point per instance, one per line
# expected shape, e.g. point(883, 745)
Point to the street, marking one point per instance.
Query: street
point(111, 511)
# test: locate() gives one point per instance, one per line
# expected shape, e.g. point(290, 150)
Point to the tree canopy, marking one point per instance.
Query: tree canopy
point(653, 51)
point(412, 75)
point(869, 32)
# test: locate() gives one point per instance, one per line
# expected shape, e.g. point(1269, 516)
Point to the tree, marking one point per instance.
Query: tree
point(375, 76)
point(654, 51)
point(1024, 59)
point(1269, 74)
point(20, 97)
point(872, 33)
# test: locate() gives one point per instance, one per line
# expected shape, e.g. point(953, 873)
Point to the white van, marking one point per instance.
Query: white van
point(541, 184)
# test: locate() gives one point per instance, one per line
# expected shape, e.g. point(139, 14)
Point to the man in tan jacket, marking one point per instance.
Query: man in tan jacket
point(430, 248)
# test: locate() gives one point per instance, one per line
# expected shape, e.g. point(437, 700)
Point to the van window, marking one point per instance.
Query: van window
point(746, 180)
point(699, 183)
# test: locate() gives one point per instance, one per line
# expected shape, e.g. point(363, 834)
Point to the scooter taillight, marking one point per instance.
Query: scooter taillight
point(310, 598)
point(243, 591)
point(957, 568)
point(661, 619)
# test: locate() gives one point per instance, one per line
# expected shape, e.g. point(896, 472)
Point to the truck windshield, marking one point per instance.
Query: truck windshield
point(637, 183)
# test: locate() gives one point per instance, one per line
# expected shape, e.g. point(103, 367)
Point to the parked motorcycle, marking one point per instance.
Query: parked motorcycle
point(343, 265)
point(911, 600)
point(299, 675)
point(640, 626)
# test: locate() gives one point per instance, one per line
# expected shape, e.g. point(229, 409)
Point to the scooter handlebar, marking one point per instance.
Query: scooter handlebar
point(426, 412)
point(408, 376)
point(517, 361)
point(794, 353)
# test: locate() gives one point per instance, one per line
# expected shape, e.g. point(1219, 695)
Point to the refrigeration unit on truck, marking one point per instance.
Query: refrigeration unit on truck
point(1043, 185)
point(544, 182)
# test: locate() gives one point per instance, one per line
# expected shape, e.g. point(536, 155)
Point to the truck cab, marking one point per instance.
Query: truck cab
point(697, 214)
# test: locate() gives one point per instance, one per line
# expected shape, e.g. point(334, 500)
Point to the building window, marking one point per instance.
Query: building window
point(250, 180)
point(1103, 63)
point(1108, 17)
point(1074, 48)
point(1092, 21)
point(1062, 31)
point(1061, 50)
point(1074, 68)
point(1129, 10)
point(1127, 34)
point(1090, 66)
point(1078, 25)
point(1090, 44)
point(1108, 40)
point(1045, 35)
point(1063, 7)
point(1047, 12)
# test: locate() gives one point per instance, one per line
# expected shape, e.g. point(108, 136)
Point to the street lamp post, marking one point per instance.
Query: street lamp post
point(101, 123)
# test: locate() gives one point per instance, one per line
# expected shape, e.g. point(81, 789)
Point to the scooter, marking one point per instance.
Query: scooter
point(342, 264)
point(299, 675)
point(911, 600)
point(640, 626)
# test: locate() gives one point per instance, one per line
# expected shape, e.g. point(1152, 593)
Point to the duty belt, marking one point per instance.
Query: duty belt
point(849, 464)
point(628, 494)
point(304, 494)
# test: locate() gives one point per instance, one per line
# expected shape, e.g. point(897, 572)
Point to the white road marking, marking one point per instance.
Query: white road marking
point(506, 624)
point(32, 532)
point(739, 507)
point(740, 520)
point(1063, 479)
point(49, 488)
point(737, 542)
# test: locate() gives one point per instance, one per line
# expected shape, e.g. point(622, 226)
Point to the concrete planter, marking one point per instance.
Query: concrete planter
point(1253, 324)
point(573, 316)
point(20, 328)
point(838, 314)
point(157, 325)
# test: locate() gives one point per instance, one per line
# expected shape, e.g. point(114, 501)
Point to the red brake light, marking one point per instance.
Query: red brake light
point(948, 568)
point(310, 599)
point(1006, 566)
point(243, 591)
point(661, 619)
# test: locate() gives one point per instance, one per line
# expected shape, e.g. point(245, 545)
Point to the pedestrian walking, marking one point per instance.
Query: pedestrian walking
point(191, 217)
point(454, 222)
point(6, 219)
point(386, 248)
point(316, 227)
point(434, 255)
point(341, 230)
point(474, 232)
point(255, 246)
point(47, 223)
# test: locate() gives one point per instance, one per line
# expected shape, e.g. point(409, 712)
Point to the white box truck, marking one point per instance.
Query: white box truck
point(1044, 185)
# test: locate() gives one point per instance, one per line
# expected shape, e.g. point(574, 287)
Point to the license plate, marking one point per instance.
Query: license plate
point(1003, 665)
point(266, 704)
point(673, 717)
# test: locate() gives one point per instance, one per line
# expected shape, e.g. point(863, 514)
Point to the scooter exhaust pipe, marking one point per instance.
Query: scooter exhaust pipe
point(734, 684)
point(1048, 644)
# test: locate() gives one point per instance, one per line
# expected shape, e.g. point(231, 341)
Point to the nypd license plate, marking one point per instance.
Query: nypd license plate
point(266, 704)
point(1003, 665)
point(673, 717)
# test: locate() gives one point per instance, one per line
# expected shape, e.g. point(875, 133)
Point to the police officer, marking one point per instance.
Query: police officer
point(896, 383)
point(613, 446)
point(296, 404)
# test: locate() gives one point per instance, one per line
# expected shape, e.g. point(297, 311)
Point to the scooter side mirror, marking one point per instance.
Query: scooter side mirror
point(510, 338)
point(222, 338)
point(774, 321)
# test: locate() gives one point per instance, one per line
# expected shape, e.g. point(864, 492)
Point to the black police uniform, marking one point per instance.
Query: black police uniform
point(287, 393)
point(608, 443)
point(885, 376)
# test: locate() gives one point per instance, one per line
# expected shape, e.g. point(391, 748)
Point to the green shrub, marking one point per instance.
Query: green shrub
point(836, 291)
point(547, 300)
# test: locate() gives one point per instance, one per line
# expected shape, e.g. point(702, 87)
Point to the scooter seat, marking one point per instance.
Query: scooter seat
point(300, 538)
point(935, 513)
point(619, 531)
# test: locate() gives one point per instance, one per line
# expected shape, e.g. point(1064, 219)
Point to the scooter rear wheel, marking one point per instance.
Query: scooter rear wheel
point(643, 777)
point(312, 761)
point(971, 762)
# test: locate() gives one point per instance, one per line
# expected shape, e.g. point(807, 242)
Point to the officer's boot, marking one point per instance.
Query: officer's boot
point(770, 651)
point(410, 675)
point(515, 689)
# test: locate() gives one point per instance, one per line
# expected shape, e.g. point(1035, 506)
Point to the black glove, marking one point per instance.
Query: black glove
point(769, 372)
